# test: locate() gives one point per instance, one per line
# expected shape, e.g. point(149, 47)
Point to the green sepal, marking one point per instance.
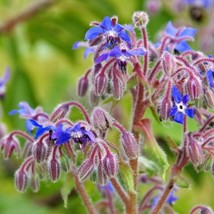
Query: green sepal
point(148, 166)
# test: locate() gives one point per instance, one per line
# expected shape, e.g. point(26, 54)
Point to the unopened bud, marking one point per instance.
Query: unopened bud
point(140, 19)
point(100, 83)
point(101, 119)
point(164, 108)
point(194, 88)
point(168, 62)
point(40, 151)
point(94, 98)
point(82, 86)
point(54, 169)
point(110, 164)
point(130, 145)
point(209, 97)
point(34, 183)
point(86, 169)
point(118, 85)
point(101, 175)
point(21, 180)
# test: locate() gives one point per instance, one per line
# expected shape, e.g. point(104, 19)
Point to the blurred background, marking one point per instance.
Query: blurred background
point(36, 39)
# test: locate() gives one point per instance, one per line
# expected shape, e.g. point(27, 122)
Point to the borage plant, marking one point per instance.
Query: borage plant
point(168, 77)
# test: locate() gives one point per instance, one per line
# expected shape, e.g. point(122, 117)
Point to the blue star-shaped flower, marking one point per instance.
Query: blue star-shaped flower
point(110, 30)
point(61, 136)
point(40, 128)
point(210, 78)
point(180, 109)
point(80, 135)
point(179, 36)
point(122, 55)
point(25, 111)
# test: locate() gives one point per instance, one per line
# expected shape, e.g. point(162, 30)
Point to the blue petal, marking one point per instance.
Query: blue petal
point(128, 27)
point(35, 123)
point(182, 46)
point(173, 111)
point(118, 28)
point(15, 111)
point(188, 31)
point(137, 52)
point(29, 126)
point(93, 33)
point(170, 29)
point(190, 112)
point(185, 99)
point(6, 77)
point(115, 52)
point(176, 94)
point(76, 45)
point(106, 23)
point(179, 118)
point(40, 131)
point(90, 135)
point(88, 51)
point(101, 58)
point(210, 78)
point(125, 36)
point(76, 128)
point(171, 198)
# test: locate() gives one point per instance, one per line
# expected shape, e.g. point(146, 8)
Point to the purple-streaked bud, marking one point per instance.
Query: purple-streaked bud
point(94, 98)
point(8, 145)
point(34, 183)
point(101, 119)
point(194, 88)
point(82, 86)
point(194, 150)
point(209, 97)
point(100, 83)
point(101, 175)
point(140, 19)
point(130, 145)
point(164, 108)
point(27, 151)
point(40, 151)
point(118, 85)
point(168, 62)
point(54, 169)
point(86, 169)
point(21, 180)
point(110, 164)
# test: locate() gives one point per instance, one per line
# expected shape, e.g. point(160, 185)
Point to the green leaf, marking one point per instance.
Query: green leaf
point(151, 148)
point(183, 182)
point(149, 166)
point(66, 188)
point(126, 177)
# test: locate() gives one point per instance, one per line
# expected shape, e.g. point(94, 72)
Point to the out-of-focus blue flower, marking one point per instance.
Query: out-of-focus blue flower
point(40, 128)
point(88, 49)
point(80, 135)
point(122, 55)
point(110, 30)
point(170, 200)
point(200, 3)
point(61, 136)
point(179, 36)
point(210, 78)
point(180, 109)
point(3, 82)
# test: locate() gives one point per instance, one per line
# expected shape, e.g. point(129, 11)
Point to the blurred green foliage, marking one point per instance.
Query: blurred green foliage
point(45, 70)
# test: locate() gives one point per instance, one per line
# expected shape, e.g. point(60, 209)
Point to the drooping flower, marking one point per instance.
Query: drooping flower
point(88, 48)
point(122, 55)
point(110, 31)
point(3, 82)
point(81, 135)
point(180, 109)
point(210, 78)
point(61, 136)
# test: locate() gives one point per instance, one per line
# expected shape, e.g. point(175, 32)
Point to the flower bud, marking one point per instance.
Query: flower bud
point(27, 149)
point(110, 164)
point(21, 180)
point(168, 62)
point(3, 130)
point(34, 183)
point(164, 108)
point(101, 119)
point(101, 175)
point(54, 169)
point(194, 88)
point(94, 98)
point(130, 145)
point(40, 151)
point(86, 169)
point(209, 97)
point(118, 85)
point(100, 83)
point(140, 19)
point(82, 86)
point(194, 151)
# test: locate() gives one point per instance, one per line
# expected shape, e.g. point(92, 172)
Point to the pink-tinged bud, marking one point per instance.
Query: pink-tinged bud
point(94, 98)
point(194, 88)
point(101, 175)
point(140, 19)
point(86, 169)
point(118, 85)
point(209, 97)
point(168, 62)
point(3, 130)
point(8, 145)
point(40, 151)
point(82, 86)
point(54, 169)
point(100, 83)
point(101, 119)
point(164, 108)
point(21, 180)
point(194, 150)
point(110, 164)
point(27, 151)
point(34, 183)
point(130, 145)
